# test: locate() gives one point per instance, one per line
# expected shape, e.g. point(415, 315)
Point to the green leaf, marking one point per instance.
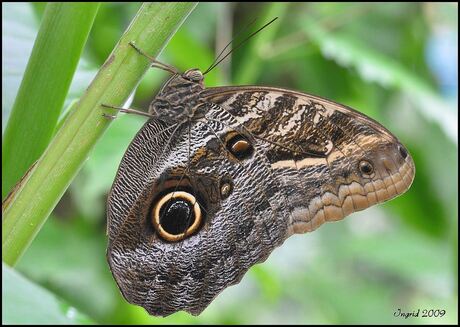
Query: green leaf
point(19, 32)
point(252, 63)
point(57, 49)
point(78, 262)
point(376, 67)
point(268, 282)
point(98, 173)
point(24, 302)
point(35, 199)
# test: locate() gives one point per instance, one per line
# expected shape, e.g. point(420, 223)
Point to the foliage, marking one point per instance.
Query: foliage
point(39, 306)
point(24, 213)
point(390, 61)
point(44, 87)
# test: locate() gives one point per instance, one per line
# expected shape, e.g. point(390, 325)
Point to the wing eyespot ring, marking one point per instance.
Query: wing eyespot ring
point(226, 187)
point(366, 168)
point(240, 147)
point(176, 215)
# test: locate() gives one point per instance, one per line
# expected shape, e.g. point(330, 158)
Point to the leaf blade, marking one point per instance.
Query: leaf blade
point(24, 302)
point(52, 64)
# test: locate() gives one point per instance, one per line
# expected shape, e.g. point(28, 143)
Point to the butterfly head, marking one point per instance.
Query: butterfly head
point(194, 75)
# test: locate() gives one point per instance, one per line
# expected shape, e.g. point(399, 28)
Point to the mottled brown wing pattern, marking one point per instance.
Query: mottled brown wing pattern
point(238, 231)
point(315, 147)
point(261, 163)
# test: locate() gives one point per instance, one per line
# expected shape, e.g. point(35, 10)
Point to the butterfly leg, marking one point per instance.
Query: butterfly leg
point(128, 111)
point(109, 117)
point(155, 63)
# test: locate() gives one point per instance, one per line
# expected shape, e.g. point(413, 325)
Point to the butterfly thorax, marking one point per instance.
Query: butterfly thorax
point(179, 98)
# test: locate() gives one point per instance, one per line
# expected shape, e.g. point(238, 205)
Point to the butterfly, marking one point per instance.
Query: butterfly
point(218, 177)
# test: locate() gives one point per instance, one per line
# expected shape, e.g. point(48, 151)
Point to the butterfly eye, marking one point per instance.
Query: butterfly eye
point(240, 147)
point(176, 215)
point(194, 75)
point(366, 168)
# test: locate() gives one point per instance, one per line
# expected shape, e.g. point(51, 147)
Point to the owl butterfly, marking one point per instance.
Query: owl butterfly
point(219, 177)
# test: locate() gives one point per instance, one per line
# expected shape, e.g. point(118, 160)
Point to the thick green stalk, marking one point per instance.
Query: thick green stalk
point(151, 29)
point(52, 64)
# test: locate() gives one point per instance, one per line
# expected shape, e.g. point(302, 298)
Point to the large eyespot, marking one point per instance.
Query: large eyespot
point(366, 168)
point(240, 147)
point(194, 75)
point(176, 215)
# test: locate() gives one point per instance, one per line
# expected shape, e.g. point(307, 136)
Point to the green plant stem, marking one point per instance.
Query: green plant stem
point(32, 203)
point(52, 64)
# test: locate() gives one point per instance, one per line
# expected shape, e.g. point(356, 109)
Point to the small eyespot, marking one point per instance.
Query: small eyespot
point(366, 168)
point(176, 215)
point(240, 147)
point(402, 151)
point(226, 188)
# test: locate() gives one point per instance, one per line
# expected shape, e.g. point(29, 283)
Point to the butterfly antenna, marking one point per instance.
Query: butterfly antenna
point(228, 44)
point(239, 45)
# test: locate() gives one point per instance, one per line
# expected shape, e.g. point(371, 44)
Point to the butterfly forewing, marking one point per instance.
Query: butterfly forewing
point(315, 146)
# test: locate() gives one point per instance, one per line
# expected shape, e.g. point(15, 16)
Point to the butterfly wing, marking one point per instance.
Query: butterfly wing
point(262, 163)
point(329, 159)
point(165, 277)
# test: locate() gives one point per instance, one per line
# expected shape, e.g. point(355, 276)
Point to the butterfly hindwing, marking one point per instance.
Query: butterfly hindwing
point(237, 232)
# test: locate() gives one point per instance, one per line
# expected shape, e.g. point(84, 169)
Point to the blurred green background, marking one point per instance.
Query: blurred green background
point(396, 62)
